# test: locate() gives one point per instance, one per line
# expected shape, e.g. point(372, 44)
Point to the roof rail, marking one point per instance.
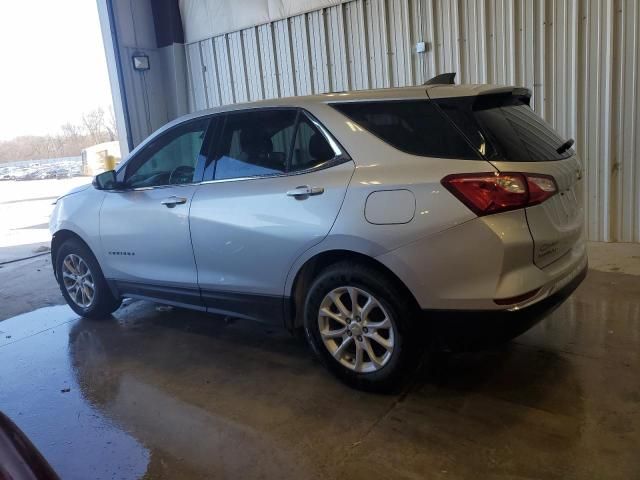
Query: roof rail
point(442, 79)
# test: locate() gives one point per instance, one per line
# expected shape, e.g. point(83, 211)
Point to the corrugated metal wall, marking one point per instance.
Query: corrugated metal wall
point(579, 57)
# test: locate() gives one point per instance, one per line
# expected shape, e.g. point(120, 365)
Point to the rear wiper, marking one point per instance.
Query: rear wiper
point(565, 146)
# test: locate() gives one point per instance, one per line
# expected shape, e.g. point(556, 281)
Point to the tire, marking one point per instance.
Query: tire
point(393, 365)
point(99, 305)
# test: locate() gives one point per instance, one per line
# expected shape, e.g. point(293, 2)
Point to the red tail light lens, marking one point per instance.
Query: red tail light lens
point(487, 193)
point(541, 187)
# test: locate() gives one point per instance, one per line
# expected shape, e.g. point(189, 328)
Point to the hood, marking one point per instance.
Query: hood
point(77, 189)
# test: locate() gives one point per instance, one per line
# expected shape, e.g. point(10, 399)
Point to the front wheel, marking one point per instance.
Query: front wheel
point(359, 325)
point(81, 281)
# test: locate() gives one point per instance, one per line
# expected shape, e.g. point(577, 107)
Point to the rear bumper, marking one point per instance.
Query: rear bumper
point(473, 330)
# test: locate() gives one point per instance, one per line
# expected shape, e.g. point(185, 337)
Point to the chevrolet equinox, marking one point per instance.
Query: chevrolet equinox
point(351, 215)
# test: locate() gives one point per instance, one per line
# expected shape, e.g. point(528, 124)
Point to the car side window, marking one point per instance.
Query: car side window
point(170, 159)
point(311, 147)
point(255, 143)
point(417, 127)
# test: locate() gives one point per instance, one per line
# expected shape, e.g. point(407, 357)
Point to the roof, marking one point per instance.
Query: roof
point(399, 93)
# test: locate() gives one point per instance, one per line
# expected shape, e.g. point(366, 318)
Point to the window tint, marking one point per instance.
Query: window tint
point(311, 148)
point(415, 127)
point(255, 143)
point(169, 159)
point(467, 124)
point(495, 126)
point(515, 131)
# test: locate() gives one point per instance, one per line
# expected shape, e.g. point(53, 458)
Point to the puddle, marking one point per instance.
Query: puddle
point(39, 392)
point(129, 396)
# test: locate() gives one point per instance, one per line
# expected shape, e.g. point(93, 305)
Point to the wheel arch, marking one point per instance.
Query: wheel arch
point(58, 239)
point(314, 265)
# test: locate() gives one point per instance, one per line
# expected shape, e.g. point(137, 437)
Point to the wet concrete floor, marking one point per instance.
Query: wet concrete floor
point(167, 393)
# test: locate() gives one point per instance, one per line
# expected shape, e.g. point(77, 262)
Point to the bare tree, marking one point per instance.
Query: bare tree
point(71, 132)
point(93, 122)
point(96, 126)
point(110, 124)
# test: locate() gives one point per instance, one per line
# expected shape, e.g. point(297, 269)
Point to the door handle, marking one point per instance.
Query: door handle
point(305, 191)
point(173, 201)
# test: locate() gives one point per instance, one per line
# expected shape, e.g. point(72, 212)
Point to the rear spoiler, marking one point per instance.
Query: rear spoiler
point(442, 79)
point(521, 93)
point(524, 94)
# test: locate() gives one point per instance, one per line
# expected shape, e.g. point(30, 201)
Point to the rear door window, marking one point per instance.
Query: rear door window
point(255, 143)
point(311, 148)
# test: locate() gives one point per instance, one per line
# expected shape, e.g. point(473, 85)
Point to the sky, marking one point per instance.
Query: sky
point(52, 65)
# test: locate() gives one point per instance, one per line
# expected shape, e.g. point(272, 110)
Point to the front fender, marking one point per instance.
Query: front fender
point(79, 213)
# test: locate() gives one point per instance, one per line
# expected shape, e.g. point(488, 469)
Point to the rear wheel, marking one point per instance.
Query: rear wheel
point(81, 281)
point(359, 325)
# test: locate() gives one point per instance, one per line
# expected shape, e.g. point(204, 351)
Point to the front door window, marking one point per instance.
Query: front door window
point(170, 159)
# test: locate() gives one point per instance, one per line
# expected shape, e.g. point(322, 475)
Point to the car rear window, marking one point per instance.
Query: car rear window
point(496, 127)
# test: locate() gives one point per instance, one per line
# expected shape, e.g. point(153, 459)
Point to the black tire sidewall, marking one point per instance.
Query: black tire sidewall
point(104, 302)
point(394, 302)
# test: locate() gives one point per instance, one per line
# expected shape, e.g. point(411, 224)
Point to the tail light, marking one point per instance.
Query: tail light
point(487, 193)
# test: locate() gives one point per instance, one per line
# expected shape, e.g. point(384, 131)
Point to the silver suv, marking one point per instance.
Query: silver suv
point(357, 216)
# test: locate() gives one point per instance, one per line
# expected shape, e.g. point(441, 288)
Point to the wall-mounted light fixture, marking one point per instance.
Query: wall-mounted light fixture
point(141, 62)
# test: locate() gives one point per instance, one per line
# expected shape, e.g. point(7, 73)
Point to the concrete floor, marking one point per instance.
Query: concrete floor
point(166, 393)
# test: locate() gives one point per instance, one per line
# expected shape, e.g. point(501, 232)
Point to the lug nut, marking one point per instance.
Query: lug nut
point(357, 319)
point(365, 329)
point(348, 320)
point(349, 333)
point(359, 338)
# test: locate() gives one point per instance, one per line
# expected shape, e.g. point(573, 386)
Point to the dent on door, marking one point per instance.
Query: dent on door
point(247, 233)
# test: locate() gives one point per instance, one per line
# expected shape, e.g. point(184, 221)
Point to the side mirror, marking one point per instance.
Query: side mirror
point(105, 181)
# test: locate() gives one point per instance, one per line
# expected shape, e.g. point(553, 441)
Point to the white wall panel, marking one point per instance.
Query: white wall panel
point(238, 66)
point(318, 51)
point(268, 63)
point(284, 58)
point(210, 71)
point(222, 57)
point(336, 46)
point(579, 57)
point(301, 55)
point(357, 58)
point(196, 82)
point(627, 172)
point(253, 67)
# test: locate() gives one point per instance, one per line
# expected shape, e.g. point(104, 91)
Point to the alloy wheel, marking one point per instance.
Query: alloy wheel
point(78, 280)
point(356, 329)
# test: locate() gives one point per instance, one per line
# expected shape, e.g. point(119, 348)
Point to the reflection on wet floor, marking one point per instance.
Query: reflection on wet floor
point(177, 394)
point(35, 374)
